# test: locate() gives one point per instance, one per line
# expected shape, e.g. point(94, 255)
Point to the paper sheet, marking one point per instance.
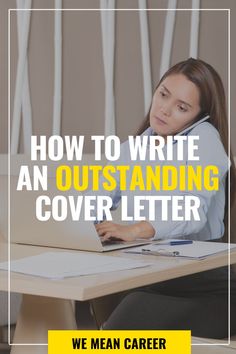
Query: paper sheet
point(55, 265)
point(195, 250)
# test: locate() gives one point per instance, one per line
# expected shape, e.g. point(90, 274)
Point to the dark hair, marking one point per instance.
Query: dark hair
point(212, 102)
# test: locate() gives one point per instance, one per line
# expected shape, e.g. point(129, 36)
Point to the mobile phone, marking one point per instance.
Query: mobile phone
point(193, 125)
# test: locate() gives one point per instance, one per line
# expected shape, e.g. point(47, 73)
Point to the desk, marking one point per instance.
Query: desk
point(46, 303)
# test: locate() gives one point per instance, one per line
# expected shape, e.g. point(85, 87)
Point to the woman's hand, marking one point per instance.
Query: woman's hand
point(142, 229)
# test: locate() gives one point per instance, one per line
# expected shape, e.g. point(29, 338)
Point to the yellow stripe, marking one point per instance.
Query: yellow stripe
point(95, 341)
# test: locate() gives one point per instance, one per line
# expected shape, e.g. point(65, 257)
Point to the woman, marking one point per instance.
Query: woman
point(188, 91)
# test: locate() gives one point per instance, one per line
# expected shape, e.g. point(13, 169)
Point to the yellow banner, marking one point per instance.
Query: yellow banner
point(95, 341)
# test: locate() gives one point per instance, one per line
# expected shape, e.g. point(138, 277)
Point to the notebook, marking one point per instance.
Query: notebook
point(193, 250)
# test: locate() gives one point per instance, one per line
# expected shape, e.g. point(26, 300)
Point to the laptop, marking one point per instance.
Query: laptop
point(25, 228)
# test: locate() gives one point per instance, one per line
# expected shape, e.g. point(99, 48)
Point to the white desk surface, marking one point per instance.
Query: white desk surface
point(92, 286)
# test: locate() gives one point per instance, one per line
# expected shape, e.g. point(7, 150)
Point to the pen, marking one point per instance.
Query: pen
point(160, 252)
point(177, 243)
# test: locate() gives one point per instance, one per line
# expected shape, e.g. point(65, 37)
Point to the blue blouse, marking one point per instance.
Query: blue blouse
point(212, 203)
